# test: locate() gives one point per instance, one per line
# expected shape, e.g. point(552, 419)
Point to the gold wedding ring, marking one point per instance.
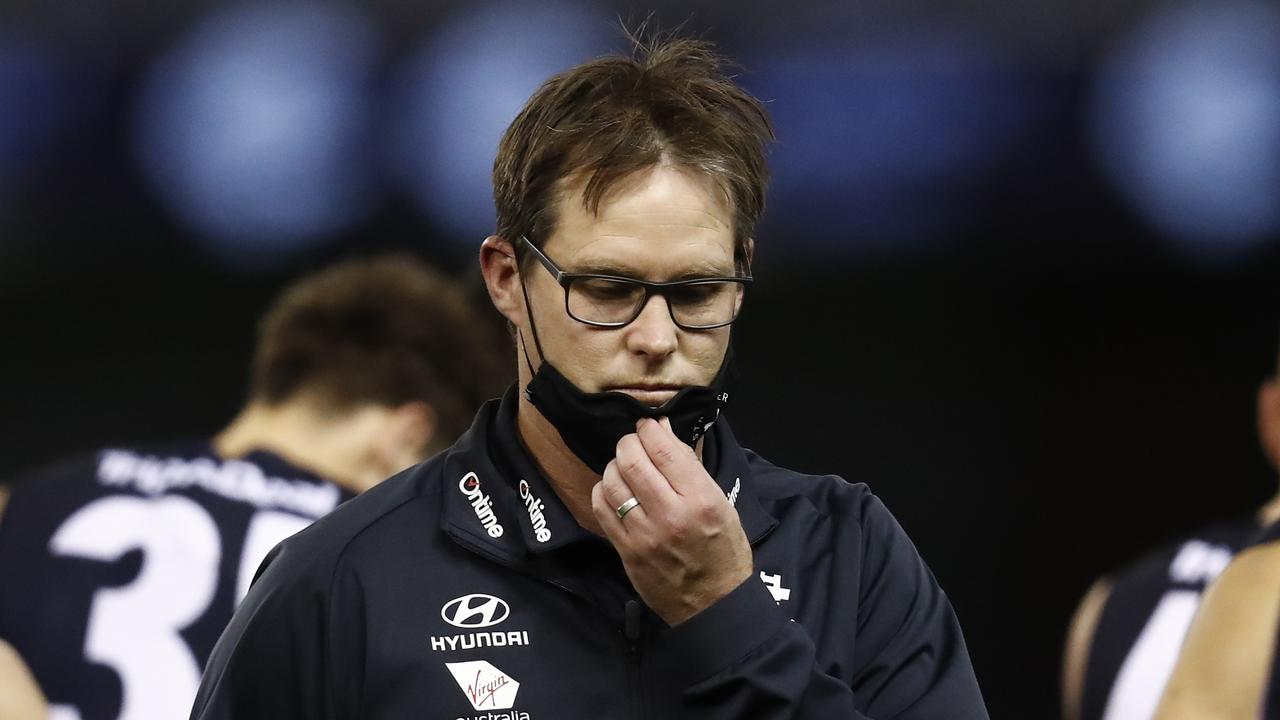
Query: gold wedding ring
point(627, 507)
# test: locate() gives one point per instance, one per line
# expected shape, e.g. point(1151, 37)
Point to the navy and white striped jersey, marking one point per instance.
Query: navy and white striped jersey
point(119, 571)
point(1147, 615)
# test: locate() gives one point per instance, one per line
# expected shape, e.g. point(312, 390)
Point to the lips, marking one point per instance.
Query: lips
point(649, 395)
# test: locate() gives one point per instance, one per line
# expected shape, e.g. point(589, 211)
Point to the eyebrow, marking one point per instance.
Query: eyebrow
point(606, 267)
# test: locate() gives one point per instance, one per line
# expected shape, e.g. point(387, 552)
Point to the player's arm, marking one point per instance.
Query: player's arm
point(1225, 660)
point(1075, 659)
point(20, 697)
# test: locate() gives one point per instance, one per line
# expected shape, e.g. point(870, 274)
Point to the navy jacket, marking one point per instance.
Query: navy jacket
point(464, 589)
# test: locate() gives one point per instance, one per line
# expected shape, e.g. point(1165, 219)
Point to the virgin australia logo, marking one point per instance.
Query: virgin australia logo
point(486, 687)
point(476, 610)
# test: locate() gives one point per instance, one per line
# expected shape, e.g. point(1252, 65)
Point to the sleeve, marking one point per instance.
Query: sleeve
point(911, 660)
point(282, 656)
point(909, 657)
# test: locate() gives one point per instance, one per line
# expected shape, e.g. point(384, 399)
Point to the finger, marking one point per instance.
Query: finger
point(607, 516)
point(676, 461)
point(615, 491)
point(643, 478)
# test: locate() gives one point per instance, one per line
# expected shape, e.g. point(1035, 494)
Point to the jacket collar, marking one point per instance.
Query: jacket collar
point(498, 502)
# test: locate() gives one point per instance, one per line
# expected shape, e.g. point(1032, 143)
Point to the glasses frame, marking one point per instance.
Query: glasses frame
point(565, 279)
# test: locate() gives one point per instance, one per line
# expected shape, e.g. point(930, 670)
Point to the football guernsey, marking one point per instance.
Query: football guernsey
point(1146, 616)
point(119, 571)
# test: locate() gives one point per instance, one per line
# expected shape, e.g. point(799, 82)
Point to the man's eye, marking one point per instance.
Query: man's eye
point(606, 289)
point(696, 294)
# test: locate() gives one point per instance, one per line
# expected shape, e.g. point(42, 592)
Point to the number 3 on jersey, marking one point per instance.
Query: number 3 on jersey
point(135, 629)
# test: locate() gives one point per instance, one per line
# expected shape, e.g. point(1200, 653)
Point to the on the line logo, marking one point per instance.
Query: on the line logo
point(486, 687)
point(537, 518)
point(483, 506)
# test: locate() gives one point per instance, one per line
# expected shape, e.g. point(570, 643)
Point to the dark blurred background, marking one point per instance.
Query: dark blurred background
point(1018, 270)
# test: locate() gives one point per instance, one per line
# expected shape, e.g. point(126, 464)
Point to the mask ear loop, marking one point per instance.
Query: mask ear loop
point(524, 290)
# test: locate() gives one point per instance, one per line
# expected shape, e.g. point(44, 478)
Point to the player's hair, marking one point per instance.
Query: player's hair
point(670, 102)
point(385, 330)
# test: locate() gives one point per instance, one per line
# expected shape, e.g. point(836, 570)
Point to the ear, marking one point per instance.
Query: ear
point(407, 431)
point(1269, 420)
point(502, 278)
point(749, 247)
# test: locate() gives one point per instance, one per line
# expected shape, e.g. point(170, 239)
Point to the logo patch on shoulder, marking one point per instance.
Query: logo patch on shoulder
point(774, 585)
point(486, 687)
point(469, 485)
point(537, 518)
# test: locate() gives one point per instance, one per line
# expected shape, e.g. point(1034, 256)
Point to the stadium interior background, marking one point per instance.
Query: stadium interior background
point(1018, 271)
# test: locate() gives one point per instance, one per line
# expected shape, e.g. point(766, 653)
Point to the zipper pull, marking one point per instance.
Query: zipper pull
point(633, 614)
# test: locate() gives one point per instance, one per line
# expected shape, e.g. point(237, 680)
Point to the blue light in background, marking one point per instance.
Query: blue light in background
point(1186, 126)
point(36, 99)
point(253, 130)
point(457, 95)
point(883, 148)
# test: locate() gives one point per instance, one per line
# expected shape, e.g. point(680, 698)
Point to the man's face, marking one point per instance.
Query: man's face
point(663, 224)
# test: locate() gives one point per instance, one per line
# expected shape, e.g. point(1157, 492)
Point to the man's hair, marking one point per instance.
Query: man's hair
point(385, 330)
point(670, 102)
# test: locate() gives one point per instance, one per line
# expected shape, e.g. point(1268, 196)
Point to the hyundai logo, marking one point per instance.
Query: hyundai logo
point(475, 611)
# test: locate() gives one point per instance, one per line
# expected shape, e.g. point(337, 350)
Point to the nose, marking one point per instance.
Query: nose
point(653, 333)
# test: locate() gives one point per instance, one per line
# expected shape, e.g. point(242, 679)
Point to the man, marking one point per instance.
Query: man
point(120, 570)
point(1126, 634)
point(598, 545)
point(1226, 668)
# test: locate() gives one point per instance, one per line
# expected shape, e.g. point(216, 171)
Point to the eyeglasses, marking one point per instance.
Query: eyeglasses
point(613, 302)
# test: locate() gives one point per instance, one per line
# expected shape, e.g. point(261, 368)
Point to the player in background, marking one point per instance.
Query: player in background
point(20, 698)
point(1226, 670)
point(1126, 633)
point(1227, 666)
point(121, 569)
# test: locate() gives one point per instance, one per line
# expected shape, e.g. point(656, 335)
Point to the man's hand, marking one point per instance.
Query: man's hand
point(683, 546)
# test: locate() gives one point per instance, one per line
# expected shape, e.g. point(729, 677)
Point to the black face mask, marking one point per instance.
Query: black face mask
point(591, 424)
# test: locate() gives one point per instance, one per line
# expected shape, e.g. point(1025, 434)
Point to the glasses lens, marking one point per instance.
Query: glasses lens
point(706, 304)
point(599, 300)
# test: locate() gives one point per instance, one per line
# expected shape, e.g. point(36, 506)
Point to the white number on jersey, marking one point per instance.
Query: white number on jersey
point(135, 629)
